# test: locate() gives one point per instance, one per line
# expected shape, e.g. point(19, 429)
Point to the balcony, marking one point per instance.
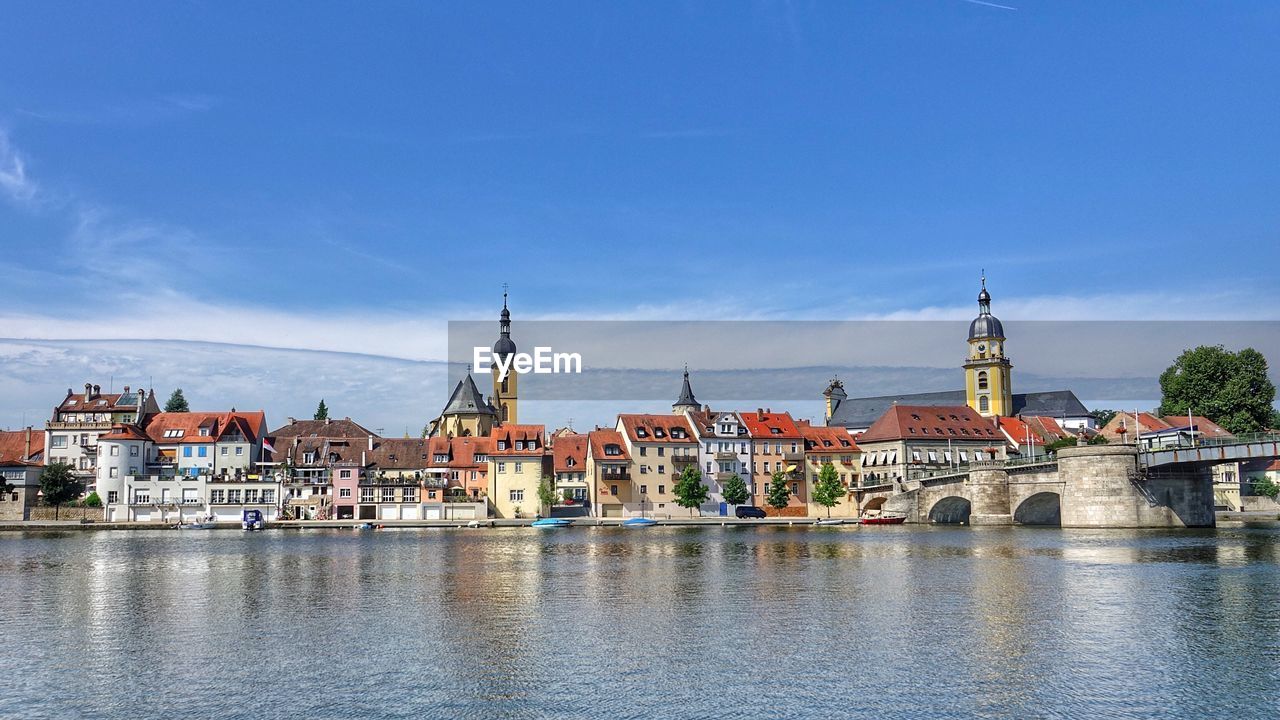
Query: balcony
point(683, 459)
point(615, 476)
point(87, 425)
point(723, 477)
point(793, 456)
point(726, 455)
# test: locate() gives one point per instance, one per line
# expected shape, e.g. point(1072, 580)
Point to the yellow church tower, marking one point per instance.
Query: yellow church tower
point(987, 381)
point(505, 388)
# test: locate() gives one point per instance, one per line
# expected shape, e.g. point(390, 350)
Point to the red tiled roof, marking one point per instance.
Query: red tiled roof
point(1204, 426)
point(569, 448)
point(344, 428)
point(819, 439)
point(770, 425)
point(396, 453)
point(529, 435)
point(461, 452)
point(14, 444)
point(75, 402)
point(918, 422)
point(124, 432)
point(250, 425)
point(598, 439)
point(657, 428)
point(1020, 432)
point(1047, 427)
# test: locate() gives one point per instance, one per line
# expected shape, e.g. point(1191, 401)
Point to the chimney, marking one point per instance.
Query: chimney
point(97, 390)
point(760, 411)
point(370, 443)
point(88, 391)
point(292, 420)
point(126, 389)
point(27, 456)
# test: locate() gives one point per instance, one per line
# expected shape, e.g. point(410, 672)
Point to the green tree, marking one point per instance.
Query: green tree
point(1060, 443)
point(177, 402)
point(779, 492)
point(1264, 486)
point(1102, 417)
point(322, 411)
point(1229, 388)
point(93, 500)
point(546, 494)
point(828, 490)
point(58, 485)
point(1098, 440)
point(689, 490)
point(735, 490)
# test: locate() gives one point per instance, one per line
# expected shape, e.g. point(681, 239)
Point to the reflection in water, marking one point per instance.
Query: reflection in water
point(590, 622)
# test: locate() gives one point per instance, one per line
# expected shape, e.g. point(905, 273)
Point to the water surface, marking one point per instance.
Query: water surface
point(666, 622)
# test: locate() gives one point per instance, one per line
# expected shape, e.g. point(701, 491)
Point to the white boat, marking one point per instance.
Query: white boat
point(197, 525)
point(252, 520)
point(830, 521)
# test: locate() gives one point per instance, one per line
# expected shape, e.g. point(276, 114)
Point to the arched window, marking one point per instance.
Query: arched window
point(982, 380)
point(983, 405)
point(506, 407)
point(505, 383)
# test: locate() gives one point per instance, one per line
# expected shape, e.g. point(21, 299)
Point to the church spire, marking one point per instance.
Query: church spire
point(686, 401)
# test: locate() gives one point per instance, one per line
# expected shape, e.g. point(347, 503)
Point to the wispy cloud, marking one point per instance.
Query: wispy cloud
point(13, 172)
point(149, 111)
point(990, 4)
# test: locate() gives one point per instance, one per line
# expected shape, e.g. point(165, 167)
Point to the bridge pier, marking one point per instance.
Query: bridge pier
point(989, 495)
point(1103, 487)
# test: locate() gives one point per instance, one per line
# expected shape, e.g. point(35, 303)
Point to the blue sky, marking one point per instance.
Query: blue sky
point(328, 176)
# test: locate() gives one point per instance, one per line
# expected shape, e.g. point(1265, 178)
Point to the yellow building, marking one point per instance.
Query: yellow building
point(515, 469)
point(987, 378)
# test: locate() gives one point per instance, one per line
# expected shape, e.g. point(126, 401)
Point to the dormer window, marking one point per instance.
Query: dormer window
point(570, 462)
point(659, 433)
point(173, 433)
point(204, 432)
point(442, 458)
point(612, 449)
point(502, 444)
point(641, 432)
point(519, 444)
point(915, 416)
point(776, 431)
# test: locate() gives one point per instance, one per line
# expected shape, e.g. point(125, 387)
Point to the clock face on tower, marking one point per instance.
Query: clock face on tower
point(982, 348)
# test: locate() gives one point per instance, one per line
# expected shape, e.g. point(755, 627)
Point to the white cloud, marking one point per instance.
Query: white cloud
point(13, 172)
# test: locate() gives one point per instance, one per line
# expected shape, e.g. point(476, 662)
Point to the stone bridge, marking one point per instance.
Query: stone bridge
point(1086, 486)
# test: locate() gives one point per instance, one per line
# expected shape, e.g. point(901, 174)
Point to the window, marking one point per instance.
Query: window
point(644, 469)
point(58, 441)
point(519, 444)
point(517, 496)
point(204, 451)
point(366, 495)
point(133, 451)
point(133, 469)
point(410, 494)
point(115, 472)
point(795, 488)
point(204, 432)
point(519, 467)
point(662, 489)
point(233, 497)
point(982, 380)
point(344, 492)
point(344, 474)
point(115, 450)
point(186, 452)
point(217, 496)
point(662, 469)
point(613, 489)
point(251, 496)
point(643, 451)
point(979, 456)
point(225, 450)
point(502, 444)
point(113, 497)
point(173, 433)
point(502, 467)
point(984, 405)
point(915, 456)
point(933, 456)
point(142, 496)
point(388, 494)
point(269, 496)
point(660, 451)
point(644, 489)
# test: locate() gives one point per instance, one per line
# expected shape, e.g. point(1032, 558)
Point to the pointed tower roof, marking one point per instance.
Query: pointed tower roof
point(505, 345)
point(467, 400)
point(687, 400)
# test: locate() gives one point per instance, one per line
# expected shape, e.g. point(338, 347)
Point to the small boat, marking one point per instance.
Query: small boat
point(884, 520)
point(252, 520)
point(830, 521)
point(552, 523)
point(640, 522)
point(197, 525)
point(363, 526)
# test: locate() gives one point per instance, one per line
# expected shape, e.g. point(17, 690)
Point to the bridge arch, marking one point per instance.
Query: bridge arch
point(1043, 508)
point(874, 504)
point(951, 510)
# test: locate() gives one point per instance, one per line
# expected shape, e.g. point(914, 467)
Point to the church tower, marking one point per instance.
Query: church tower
point(505, 388)
point(987, 381)
point(686, 402)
